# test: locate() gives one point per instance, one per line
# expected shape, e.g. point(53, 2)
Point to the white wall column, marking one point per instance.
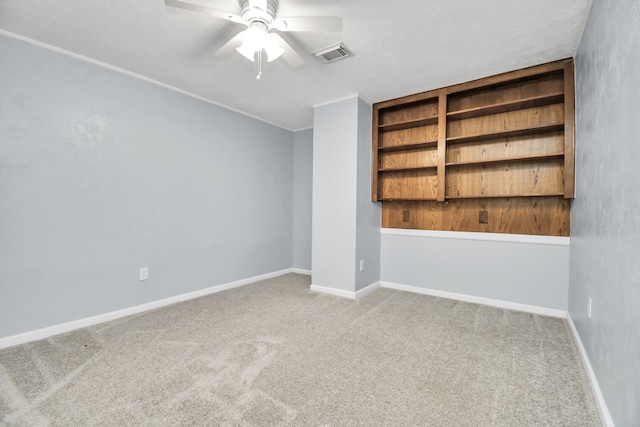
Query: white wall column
point(346, 224)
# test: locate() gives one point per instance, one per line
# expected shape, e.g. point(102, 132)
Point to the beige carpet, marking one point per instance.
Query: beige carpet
point(275, 353)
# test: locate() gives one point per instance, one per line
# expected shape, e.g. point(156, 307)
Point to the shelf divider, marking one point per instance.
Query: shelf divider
point(442, 143)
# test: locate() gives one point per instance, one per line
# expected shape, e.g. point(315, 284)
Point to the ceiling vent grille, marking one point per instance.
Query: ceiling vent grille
point(332, 53)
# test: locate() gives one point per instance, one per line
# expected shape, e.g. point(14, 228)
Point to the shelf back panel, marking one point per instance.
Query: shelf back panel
point(506, 148)
point(491, 95)
point(423, 110)
point(416, 158)
point(408, 185)
point(512, 120)
point(506, 179)
point(408, 136)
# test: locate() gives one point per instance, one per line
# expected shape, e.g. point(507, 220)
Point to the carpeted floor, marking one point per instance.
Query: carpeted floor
point(275, 353)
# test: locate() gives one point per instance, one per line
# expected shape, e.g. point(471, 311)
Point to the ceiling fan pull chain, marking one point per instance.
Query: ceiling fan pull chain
point(259, 65)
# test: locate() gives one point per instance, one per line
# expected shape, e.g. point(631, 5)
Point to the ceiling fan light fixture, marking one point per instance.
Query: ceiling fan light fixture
point(247, 52)
point(254, 40)
point(273, 49)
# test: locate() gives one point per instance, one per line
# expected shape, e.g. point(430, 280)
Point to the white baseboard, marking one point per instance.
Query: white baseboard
point(367, 290)
point(47, 332)
point(345, 294)
point(605, 416)
point(478, 300)
point(301, 271)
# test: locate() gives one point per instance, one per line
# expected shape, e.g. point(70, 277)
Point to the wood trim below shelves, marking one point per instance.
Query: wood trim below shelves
point(407, 199)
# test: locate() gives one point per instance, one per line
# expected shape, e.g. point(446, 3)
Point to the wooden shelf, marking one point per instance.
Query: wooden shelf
point(530, 157)
point(406, 169)
point(499, 196)
point(512, 133)
point(407, 147)
point(407, 124)
point(506, 134)
point(503, 107)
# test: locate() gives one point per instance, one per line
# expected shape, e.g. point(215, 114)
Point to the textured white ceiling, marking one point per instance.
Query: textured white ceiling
point(400, 47)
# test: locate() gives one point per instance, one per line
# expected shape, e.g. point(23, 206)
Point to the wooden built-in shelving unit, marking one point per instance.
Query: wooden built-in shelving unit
point(506, 141)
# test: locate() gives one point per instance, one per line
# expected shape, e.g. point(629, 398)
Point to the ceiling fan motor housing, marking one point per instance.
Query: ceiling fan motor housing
point(252, 14)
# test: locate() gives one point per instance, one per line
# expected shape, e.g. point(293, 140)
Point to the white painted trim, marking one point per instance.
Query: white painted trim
point(489, 237)
point(301, 271)
point(302, 129)
point(333, 291)
point(346, 294)
point(47, 332)
point(478, 300)
point(333, 101)
point(367, 290)
point(605, 416)
point(132, 74)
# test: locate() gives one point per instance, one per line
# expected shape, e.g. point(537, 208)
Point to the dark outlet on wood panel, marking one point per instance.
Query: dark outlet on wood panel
point(483, 218)
point(405, 216)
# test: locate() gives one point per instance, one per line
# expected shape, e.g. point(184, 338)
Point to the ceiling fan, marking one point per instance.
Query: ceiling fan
point(261, 17)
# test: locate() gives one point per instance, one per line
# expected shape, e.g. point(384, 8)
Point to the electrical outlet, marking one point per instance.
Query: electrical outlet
point(589, 307)
point(144, 273)
point(361, 265)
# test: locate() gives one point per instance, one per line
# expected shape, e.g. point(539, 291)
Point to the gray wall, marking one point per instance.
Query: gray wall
point(605, 217)
point(101, 174)
point(302, 198)
point(368, 214)
point(522, 273)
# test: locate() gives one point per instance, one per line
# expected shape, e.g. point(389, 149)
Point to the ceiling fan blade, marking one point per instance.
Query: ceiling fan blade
point(205, 9)
point(231, 45)
point(289, 55)
point(318, 24)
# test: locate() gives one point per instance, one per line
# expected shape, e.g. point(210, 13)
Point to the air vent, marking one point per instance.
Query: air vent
point(332, 53)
